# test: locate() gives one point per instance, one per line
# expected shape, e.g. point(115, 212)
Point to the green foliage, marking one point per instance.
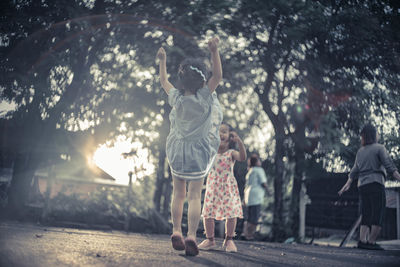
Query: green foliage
point(338, 58)
point(84, 68)
point(324, 54)
point(106, 205)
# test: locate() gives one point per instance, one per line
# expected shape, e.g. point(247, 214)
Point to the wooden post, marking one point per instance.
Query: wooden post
point(128, 205)
point(351, 232)
point(302, 213)
point(398, 212)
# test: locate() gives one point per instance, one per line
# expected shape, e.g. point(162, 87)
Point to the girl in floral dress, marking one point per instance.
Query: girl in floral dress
point(222, 199)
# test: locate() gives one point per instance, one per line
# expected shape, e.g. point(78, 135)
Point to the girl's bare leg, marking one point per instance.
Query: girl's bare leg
point(251, 228)
point(194, 207)
point(229, 234)
point(375, 230)
point(209, 226)
point(178, 199)
point(364, 233)
point(230, 226)
point(244, 231)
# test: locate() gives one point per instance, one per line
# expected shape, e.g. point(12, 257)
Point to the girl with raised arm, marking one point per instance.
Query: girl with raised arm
point(193, 141)
point(222, 199)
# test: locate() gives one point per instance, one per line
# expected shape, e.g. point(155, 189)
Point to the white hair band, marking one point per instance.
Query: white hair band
point(199, 72)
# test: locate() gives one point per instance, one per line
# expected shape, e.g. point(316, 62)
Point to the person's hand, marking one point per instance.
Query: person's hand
point(234, 137)
point(344, 189)
point(396, 175)
point(213, 44)
point(161, 55)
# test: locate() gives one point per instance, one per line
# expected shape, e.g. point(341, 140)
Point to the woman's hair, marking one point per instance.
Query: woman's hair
point(232, 144)
point(368, 132)
point(192, 75)
point(254, 160)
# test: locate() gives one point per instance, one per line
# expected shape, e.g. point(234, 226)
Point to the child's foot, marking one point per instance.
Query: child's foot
point(362, 245)
point(191, 248)
point(229, 245)
point(177, 241)
point(249, 238)
point(208, 244)
point(374, 246)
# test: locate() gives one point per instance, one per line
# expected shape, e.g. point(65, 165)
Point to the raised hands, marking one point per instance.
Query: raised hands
point(161, 55)
point(241, 154)
point(216, 77)
point(213, 44)
point(234, 137)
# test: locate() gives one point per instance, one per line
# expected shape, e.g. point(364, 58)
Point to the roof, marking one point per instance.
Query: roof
point(74, 170)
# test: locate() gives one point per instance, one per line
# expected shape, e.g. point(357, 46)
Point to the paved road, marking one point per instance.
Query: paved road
point(33, 245)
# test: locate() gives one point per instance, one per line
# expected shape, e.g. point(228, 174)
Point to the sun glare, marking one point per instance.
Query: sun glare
point(112, 161)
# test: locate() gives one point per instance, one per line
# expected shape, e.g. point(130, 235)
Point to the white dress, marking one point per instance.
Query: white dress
point(193, 140)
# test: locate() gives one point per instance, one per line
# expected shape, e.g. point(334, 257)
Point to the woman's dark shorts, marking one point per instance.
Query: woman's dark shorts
point(372, 203)
point(253, 213)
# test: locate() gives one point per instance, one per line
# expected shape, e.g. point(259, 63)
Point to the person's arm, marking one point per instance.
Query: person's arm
point(396, 175)
point(216, 77)
point(355, 170)
point(387, 162)
point(346, 186)
point(161, 55)
point(267, 190)
point(263, 180)
point(352, 174)
point(265, 186)
point(241, 154)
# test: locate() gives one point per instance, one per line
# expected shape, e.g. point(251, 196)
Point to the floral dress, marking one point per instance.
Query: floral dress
point(222, 199)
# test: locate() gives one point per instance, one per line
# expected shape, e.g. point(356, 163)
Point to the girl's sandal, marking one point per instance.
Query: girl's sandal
point(177, 241)
point(229, 248)
point(191, 248)
point(208, 244)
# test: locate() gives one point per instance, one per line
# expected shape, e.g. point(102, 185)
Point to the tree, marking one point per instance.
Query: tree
point(71, 80)
point(92, 71)
point(322, 49)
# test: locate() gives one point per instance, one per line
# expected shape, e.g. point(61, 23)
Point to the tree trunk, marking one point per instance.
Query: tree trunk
point(278, 230)
point(18, 195)
point(160, 180)
point(301, 145)
point(36, 135)
point(295, 200)
point(167, 194)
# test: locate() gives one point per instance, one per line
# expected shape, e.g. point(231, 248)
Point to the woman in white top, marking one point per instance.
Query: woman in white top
point(256, 184)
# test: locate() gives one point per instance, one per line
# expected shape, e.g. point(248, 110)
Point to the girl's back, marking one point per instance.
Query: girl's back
point(191, 114)
point(193, 139)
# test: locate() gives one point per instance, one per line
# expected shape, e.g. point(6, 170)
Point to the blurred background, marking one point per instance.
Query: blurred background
point(84, 120)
